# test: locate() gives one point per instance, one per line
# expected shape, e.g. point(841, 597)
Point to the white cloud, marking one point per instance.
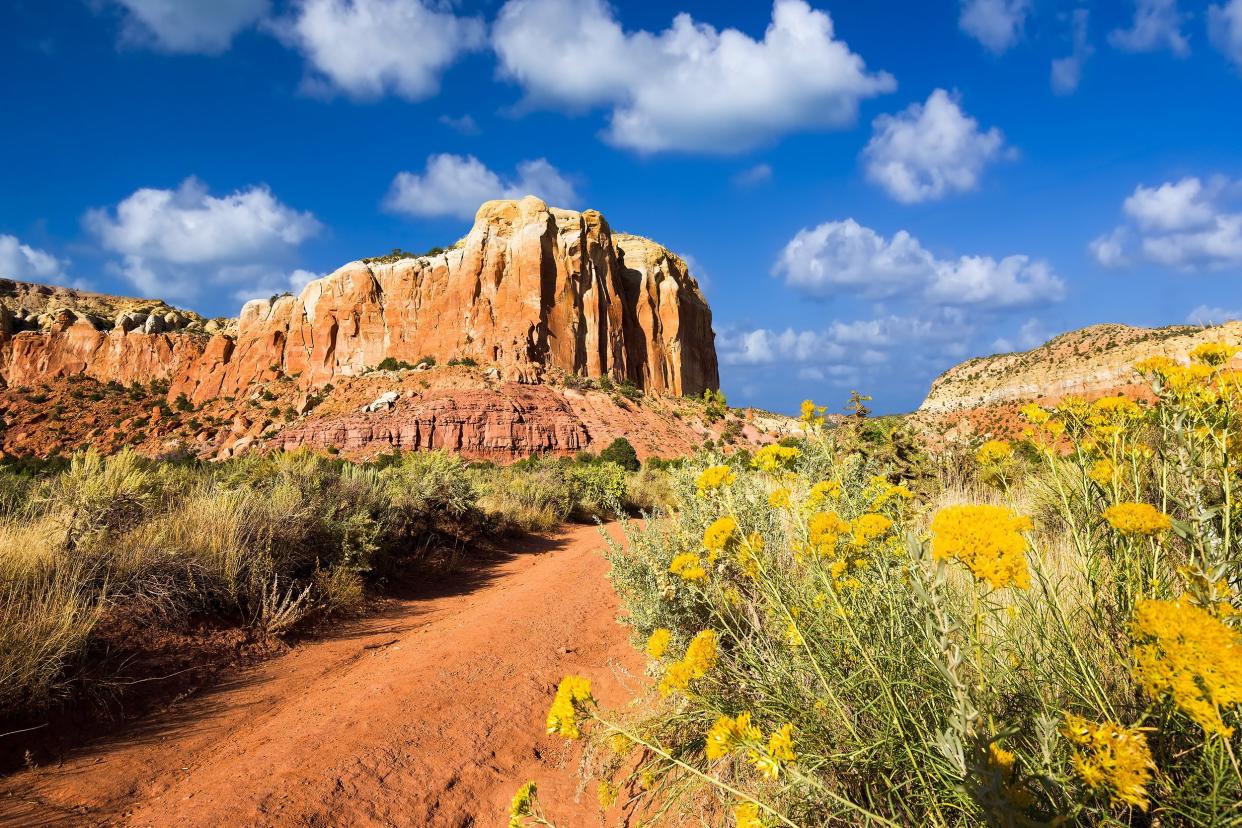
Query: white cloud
point(174, 242)
point(690, 87)
point(188, 26)
point(1209, 315)
point(997, 24)
point(21, 261)
point(464, 125)
point(1225, 29)
point(1067, 71)
point(930, 150)
point(259, 282)
point(1187, 224)
point(1109, 249)
point(754, 176)
point(370, 48)
point(1157, 25)
point(455, 185)
point(845, 257)
point(841, 351)
point(1171, 206)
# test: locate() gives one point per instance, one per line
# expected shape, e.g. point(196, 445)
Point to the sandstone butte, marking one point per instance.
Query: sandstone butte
point(532, 295)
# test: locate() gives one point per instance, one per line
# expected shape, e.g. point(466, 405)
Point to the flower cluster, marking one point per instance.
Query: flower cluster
point(1137, 519)
point(775, 458)
point(699, 660)
point(714, 477)
point(821, 493)
point(1213, 353)
point(1103, 472)
point(993, 452)
point(812, 414)
point(746, 815)
point(657, 642)
point(987, 539)
point(728, 735)
point(823, 531)
point(689, 566)
point(523, 805)
point(572, 692)
point(1183, 653)
point(1112, 758)
point(718, 534)
point(871, 526)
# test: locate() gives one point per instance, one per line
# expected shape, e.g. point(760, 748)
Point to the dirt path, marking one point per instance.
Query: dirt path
point(430, 714)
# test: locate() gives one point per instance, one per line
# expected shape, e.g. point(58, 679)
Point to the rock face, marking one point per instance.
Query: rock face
point(530, 289)
point(1090, 362)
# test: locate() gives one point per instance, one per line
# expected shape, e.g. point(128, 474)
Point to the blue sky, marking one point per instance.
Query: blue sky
point(870, 192)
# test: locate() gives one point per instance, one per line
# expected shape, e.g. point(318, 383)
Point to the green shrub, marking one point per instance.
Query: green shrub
point(621, 452)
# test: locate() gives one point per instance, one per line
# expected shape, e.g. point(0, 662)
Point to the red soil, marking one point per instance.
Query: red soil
point(428, 714)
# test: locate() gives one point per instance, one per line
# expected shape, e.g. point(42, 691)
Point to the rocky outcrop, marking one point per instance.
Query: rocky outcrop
point(1089, 363)
point(503, 423)
point(531, 289)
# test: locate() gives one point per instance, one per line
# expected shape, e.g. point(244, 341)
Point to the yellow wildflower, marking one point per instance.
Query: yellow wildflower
point(779, 751)
point(779, 499)
point(822, 491)
point(523, 804)
point(606, 793)
point(792, 635)
point(812, 414)
point(1111, 757)
point(714, 477)
point(1035, 414)
point(1213, 353)
point(773, 458)
point(1137, 519)
point(1055, 427)
point(780, 744)
point(563, 715)
point(994, 451)
point(1103, 472)
point(727, 735)
point(676, 676)
point(701, 654)
point(657, 642)
point(717, 535)
point(620, 743)
point(1115, 408)
point(1185, 654)
point(868, 527)
point(746, 815)
point(688, 566)
point(732, 595)
point(1001, 759)
point(987, 539)
point(646, 780)
point(823, 529)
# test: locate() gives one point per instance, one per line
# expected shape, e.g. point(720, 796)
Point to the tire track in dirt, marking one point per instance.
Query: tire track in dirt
point(428, 714)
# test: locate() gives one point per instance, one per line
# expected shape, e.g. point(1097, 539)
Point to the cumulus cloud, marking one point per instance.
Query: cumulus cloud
point(370, 48)
point(1211, 315)
point(690, 87)
point(455, 185)
point(1225, 29)
point(1157, 25)
point(843, 351)
point(930, 150)
point(846, 257)
point(997, 24)
point(188, 26)
point(1067, 71)
point(1188, 224)
point(176, 242)
point(21, 261)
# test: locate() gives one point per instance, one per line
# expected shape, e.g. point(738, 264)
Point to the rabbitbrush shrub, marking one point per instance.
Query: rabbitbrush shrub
point(1050, 641)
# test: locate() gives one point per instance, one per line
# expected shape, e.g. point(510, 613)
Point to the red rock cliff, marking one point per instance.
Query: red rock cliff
point(531, 288)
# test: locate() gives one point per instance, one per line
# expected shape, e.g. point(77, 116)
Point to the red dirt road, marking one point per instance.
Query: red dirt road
point(430, 714)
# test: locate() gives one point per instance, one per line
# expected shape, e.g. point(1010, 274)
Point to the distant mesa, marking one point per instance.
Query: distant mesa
point(533, 295)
